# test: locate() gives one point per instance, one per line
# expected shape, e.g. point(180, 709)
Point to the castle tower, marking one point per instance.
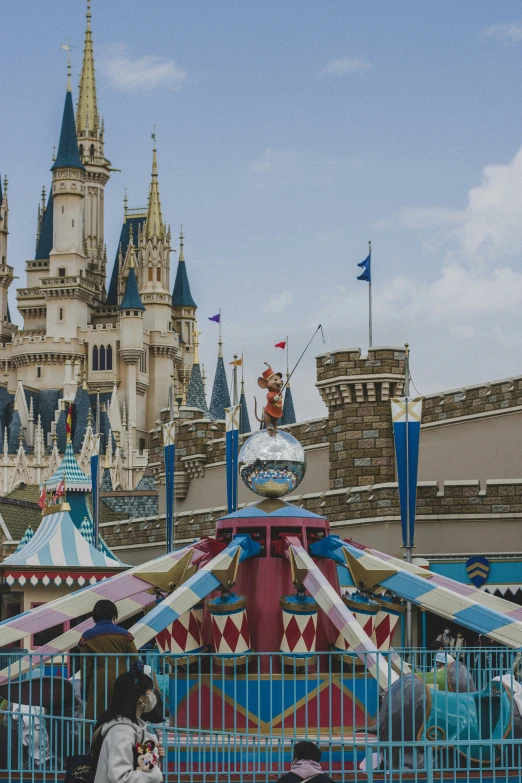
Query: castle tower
point(220, 395)
point(97, 168)
point(357, 391)
point(196, 391)
point(288, 406)
point(183, 314)
point(244, 419)
point(131, 340)
point(6, 271)
point(67, 291)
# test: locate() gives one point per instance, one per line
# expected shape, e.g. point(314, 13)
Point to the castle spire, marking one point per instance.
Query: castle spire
point(68, 156)
point(196, 390)
point(87, 110)
point(154, 217)
point(181, 295)
point(220, 395)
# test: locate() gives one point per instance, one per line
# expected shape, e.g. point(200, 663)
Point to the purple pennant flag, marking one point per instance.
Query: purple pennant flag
point(216, 318)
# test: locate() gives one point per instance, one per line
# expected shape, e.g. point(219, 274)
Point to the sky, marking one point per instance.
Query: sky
point(289, 135)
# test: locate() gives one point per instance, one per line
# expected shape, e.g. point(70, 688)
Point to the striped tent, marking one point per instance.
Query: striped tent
point(29, 533)
point(58, 553)
point(75, 479)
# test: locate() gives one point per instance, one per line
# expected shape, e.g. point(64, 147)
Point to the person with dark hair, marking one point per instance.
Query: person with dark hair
point(121, 733)
point(305, 765)
point(105, 647)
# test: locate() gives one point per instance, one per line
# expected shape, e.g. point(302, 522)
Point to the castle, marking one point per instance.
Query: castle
point(111, 347)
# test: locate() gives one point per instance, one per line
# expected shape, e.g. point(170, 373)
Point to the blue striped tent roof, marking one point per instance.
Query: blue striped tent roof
point(59, 544)
point(75, 479)
point(87, 531)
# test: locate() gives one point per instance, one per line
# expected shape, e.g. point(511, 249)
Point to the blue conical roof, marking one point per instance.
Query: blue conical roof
point(45, 240)
point(244, 421)
point(75, 478)
point(136, 222)
point(132, 298)
point(288, 416)
point(181, 296)
point(68, 155)
point(220, 394)
point(29, 533)
point(196, 391)
point(81, 409)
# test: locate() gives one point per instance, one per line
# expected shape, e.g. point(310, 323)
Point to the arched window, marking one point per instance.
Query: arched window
point(109, 357)
point(158, 274)
point(91, 150)
point(102, 357)
point(150, 273)
point(95, 357)
point(80, 150)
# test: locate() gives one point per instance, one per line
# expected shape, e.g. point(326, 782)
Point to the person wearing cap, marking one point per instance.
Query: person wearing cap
point(100, 665)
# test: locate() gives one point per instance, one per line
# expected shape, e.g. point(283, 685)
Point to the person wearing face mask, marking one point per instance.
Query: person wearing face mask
point(121, 728)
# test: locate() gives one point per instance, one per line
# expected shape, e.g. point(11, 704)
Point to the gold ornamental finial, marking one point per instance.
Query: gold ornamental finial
point(196, 334)
point(181, 251)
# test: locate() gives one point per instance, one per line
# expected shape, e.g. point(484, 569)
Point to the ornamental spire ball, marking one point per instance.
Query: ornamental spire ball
point(272, 464)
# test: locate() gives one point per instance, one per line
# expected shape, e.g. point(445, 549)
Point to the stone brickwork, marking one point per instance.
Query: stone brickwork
point(342, 505)
point(357, 391)
point(472, 400)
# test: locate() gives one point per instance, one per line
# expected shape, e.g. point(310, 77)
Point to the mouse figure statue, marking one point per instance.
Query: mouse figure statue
point(273, 410)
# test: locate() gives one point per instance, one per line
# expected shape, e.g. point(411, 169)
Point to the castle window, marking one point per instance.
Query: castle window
point(91, 150)
point(150, 273)
point(109, 357)
point(102, 357)
point(95, 357)
point(73, 223)
point(142, 445)
point(143, 362)
point(61, 271)
point(38, 372)
point(158, 275)
point(63, 210)
point(80, 150)
point(60, 313)
point(135, 312)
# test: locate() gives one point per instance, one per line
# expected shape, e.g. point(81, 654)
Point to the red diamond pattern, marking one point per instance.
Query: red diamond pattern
point(245, 632)
point(293, 633)
point(231, 634)
point(179, 633)
point(309, 634)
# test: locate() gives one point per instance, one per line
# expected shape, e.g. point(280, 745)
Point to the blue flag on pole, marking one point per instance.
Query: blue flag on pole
point(406, 418)
point(232, 452)
point(366, 266)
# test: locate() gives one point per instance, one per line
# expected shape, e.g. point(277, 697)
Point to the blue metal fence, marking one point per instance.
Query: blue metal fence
point(237, 719)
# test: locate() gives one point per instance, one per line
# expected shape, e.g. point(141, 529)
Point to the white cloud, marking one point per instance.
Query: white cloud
point(279, 302)
point(141, 73)
point(272, 160)
point(510, 34)
point(344, 65)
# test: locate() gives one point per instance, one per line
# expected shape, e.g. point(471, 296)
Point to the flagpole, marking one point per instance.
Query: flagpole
point(408, 520)
point(234, 381)
point(370, 296)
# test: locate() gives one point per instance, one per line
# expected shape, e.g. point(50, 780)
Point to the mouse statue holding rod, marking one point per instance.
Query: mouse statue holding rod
point(273, 410)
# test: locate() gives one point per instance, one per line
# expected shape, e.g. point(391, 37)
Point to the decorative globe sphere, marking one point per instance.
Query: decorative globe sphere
point(272, 465)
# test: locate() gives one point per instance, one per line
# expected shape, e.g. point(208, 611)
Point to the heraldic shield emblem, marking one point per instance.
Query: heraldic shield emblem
point(478, 569)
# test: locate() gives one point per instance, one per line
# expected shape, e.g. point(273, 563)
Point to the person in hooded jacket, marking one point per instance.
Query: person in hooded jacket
point(305, 765)
point(121, 728)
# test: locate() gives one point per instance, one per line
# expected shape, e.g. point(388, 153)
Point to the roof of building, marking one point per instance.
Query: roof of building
point(75, 479)
point(58, 543)
point(181, 295)
point(45, 239)
point(68, 155)
point(272, 507)
point(132, 298)
point(136, 222)
point(17, 514)
point(244, 419)
point(288, 416)
point(220, 395)
point(154, 225)
point(196, 393)
point(87, 111)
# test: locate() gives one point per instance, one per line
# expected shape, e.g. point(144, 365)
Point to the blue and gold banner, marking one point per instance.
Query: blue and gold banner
point(169, 450)
point(406, 419)
point(232, 445)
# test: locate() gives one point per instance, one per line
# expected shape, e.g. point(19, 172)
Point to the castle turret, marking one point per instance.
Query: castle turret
point(183, 304)
point(131, 338)
point(6, 271)
point(67, 290)
point(244, 419)
point(196, 390)
point(220, 395)
point(91, 147)
point(288, 406)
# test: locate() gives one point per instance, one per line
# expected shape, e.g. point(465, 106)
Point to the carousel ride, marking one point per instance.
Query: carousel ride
point(259, 642)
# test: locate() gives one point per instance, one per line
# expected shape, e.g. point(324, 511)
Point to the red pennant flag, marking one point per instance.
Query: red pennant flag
point(60, 490)
point(43, 498)
point(280, 345)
